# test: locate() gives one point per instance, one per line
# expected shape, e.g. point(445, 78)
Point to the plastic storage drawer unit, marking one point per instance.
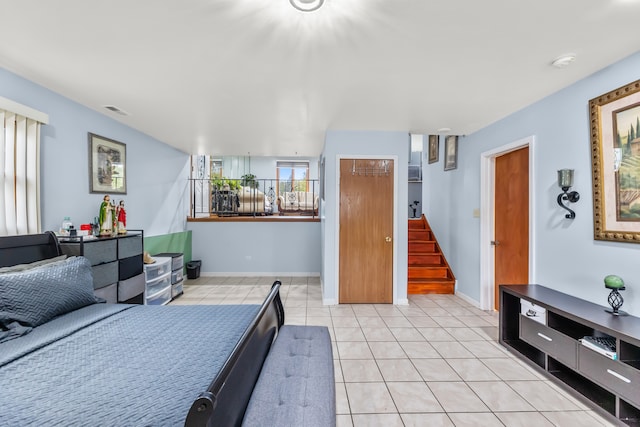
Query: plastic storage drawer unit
point(158, 282)
point(177, 259)
point(157, 269)
point(160, 298)
point(177, 289)
point(177, 262)
point(177, 271)
point(157, 285)
point(176, 276)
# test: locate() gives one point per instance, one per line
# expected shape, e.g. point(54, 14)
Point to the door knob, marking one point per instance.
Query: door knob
point(495, 243)
point(387, 239)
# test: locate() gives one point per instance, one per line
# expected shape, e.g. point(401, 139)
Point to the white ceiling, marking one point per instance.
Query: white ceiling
point(231, 77)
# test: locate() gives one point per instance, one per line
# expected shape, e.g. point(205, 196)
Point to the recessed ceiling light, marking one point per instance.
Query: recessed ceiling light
point(564, 60)
point(444, 130)
point(307, 5)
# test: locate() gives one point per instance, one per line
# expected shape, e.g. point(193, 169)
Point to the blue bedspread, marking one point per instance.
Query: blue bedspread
point(117, 365)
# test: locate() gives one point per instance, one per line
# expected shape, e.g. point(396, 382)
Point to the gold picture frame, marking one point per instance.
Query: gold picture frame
point(615, 150)
point(107, 165)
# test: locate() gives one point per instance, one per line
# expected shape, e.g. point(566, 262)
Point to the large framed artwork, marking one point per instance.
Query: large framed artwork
point(107, 165)
point(450, 152)
point(615, 149)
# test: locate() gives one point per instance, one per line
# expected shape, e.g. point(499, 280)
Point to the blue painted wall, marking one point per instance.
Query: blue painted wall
point(157, 186)
point(257, 248)
point(567, 257)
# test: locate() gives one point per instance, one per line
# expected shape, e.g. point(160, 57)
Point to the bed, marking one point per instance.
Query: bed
point(67, 359)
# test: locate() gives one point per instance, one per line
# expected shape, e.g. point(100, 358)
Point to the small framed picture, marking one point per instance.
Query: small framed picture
point(450, 152)
point(321, 173)
point(107, 165)
point(434, 148)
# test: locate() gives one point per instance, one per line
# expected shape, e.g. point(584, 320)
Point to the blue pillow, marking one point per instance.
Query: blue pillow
point(35, 296)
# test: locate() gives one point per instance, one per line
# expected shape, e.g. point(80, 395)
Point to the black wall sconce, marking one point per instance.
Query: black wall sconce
point(565, 181)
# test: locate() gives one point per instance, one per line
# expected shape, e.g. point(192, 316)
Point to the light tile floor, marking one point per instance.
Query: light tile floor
point(434, 362)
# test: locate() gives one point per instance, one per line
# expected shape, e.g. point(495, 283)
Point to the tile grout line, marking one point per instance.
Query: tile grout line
point(305, 296)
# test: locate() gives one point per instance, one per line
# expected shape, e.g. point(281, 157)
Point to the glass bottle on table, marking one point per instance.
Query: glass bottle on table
point(66, 225)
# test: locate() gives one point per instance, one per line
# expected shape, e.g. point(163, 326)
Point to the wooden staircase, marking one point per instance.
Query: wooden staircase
point(429, 272)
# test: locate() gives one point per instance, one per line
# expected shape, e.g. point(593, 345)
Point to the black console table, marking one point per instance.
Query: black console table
point(552, 345)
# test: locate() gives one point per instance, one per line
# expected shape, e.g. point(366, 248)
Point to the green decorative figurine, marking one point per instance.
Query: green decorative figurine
point(106, 217)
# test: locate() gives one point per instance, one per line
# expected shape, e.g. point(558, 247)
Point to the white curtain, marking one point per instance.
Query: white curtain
point(19, 174)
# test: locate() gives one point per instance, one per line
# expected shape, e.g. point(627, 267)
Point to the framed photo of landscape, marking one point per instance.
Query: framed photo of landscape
point(615, 148)
point(107, 165)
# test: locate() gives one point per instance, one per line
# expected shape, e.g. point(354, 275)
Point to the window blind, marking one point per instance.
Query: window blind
point(292, 164)
point(19, 175)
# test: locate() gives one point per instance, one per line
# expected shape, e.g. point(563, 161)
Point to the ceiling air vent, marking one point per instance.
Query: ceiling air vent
point(116, 110)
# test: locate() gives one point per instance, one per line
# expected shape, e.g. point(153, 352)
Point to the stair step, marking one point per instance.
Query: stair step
point(422, 247)
point(431, 287)
point(420, 235)
point(425, 259)
point(428, 272)
point(433, 279)
point(416, 224)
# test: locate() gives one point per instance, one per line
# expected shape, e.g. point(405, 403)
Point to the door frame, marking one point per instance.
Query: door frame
point(487, 217)
point(394, 158)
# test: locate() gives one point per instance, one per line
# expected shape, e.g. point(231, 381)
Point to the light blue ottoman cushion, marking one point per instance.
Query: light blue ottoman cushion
point(296, 386)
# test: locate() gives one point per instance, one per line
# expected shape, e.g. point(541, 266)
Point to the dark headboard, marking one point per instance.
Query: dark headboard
point(28, 248)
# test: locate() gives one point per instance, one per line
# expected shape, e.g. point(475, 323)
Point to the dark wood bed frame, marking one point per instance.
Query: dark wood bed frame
point(225, 400)
point(28, 248)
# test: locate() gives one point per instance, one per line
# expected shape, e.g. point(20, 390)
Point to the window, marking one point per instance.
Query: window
point(19, 168)
point(216, 168)
point(292, 176)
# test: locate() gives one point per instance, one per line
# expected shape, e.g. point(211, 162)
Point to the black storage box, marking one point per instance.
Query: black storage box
point(193, 269)
point(130, 267)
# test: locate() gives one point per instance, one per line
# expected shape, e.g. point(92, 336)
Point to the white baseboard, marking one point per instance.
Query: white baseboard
point(468, 299)
point(258, 274)
point(333, 301)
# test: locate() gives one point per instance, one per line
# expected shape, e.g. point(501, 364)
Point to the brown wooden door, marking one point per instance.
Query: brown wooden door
point(366, 231)
point(511, 240)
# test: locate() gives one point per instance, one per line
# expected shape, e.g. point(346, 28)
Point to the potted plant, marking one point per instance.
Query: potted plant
point(249, 180)
point(225, 184)
point(234, 184)
point(217, 183)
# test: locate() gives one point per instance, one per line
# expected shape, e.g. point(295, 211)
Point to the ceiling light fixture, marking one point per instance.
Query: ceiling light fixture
point(307, 5)
point(564, 60)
